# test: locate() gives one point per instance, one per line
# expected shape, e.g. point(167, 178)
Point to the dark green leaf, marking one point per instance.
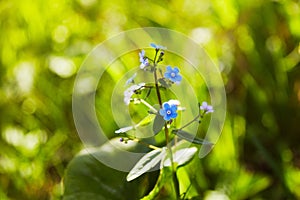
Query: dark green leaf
point(163, 186)
point(191, 138)
point(87, 178)
point(158, 124)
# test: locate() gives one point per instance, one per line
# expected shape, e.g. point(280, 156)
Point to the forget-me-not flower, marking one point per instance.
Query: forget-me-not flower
point(173, 74)
point(206, 108)
point(168, 111)
point(143, 59)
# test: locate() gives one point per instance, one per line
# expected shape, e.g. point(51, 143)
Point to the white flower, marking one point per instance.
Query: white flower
point(130, 91)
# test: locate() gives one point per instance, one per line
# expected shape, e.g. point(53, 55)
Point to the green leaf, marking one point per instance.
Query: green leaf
point(87, 178)
point(181, 156)
point(147, 120)
point(163, 188)
point(158, 124)
point(147, 162)
point(191, 138)
point(163, 82)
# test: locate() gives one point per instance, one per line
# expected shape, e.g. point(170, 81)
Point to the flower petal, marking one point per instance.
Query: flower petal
point(176, 70)
point(173, 115)
point(153, 45)
point(162, 112)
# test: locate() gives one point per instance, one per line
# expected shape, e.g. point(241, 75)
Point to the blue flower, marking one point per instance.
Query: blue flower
point(206, 108)
point(143, 60)
point(173, 74)
point(155, 46)
point(168, 111)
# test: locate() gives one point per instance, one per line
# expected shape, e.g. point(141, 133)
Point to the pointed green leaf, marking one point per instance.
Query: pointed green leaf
point(191, 138)
point(147, 120)
point(158, 124)
point(147, 162)
point(181, 156)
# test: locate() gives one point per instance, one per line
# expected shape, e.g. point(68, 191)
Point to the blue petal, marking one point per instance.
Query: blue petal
point(167, 118)
point(174, 108)
point(178, 78)
point(153, 45)
point(166, 106)
point(169, 69)
point(173, 115)
point(162, 112)
point(167, 75)
point(176, 70)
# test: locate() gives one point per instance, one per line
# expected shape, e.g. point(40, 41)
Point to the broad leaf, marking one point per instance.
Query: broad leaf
point(158, 124)
point(87, 178)
point(146, 163)
point(181, 156)
point(191, 138)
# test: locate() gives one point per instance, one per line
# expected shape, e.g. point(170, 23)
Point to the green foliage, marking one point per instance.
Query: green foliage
point(255, 44)
point(146, 163)
point(191, 138)
point(87, 178)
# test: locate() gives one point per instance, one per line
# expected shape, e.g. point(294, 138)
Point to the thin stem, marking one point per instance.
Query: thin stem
point(157, 87)
point(193, 120)
point(174, 175)
point(145, 144)
point(148, 105)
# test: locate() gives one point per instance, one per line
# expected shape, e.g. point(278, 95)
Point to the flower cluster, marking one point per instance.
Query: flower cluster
point(163, 119)
point(169, 109)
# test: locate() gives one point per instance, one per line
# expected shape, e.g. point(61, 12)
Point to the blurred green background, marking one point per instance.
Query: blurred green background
point(254, 42)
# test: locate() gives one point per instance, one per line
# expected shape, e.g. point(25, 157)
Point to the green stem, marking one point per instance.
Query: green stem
point(145, 144)
point(193, 120)
point(174, 175)
point(148, 105)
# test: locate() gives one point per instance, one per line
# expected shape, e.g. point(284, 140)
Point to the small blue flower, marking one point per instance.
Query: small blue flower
point(206, 108)
point(168, 111)
point(143, 59)
point(131, 79)
point(155, 46)
point(173, 74)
